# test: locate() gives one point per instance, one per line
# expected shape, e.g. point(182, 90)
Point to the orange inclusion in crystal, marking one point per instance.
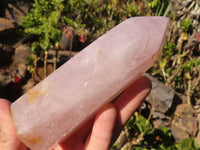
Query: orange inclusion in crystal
point(33, 93)
point(34, 140)
point(153, 56)
point(100, 51)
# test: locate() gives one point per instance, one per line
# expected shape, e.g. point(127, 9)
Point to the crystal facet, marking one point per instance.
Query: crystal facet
point(56, 107)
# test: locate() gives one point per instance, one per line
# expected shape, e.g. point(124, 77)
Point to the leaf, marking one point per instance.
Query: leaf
point(44, 44)
point(185, 24)
point(187, 144)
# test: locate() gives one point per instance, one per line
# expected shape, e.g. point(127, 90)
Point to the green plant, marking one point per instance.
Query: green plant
point(30, 61)
point(93, 18)
point(152, 138)
point(169, 49)
point(160, 7)
point(43, 21)
point(154, 3)
point(185, 24)
point(190, 64)
point(187, 144)
point(141, 135)
point(143, 125)
point(86, 18)
point(178, 70)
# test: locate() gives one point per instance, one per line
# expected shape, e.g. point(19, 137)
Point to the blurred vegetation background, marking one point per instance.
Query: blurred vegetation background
point(89, 19)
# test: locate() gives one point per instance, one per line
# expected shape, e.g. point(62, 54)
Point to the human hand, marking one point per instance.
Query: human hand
point(99, 133)
point(8, 138)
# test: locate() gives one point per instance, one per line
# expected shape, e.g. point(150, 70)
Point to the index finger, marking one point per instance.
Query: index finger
point(130, 100)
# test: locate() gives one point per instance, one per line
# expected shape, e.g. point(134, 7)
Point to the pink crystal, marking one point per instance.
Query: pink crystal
point(61, 103)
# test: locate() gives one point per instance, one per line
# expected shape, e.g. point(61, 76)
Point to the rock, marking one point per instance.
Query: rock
point(197, 138)
point(18, 67)
point(21, 53)
point(6, 26)
point(161, 97)
point(5, 79)
point(16, 12)
point(184, 124)
point(21, 69)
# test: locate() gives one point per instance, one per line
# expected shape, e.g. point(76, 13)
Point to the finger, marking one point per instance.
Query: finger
point(103, 127)
point(76, 140)
point(129, 101)
point(8, 138)
point(102, 130)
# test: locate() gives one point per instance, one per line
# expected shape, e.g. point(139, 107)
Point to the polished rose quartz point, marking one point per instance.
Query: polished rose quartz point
point(57, 106)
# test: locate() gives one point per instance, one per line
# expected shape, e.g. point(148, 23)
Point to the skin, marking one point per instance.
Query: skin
point(99, 133)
